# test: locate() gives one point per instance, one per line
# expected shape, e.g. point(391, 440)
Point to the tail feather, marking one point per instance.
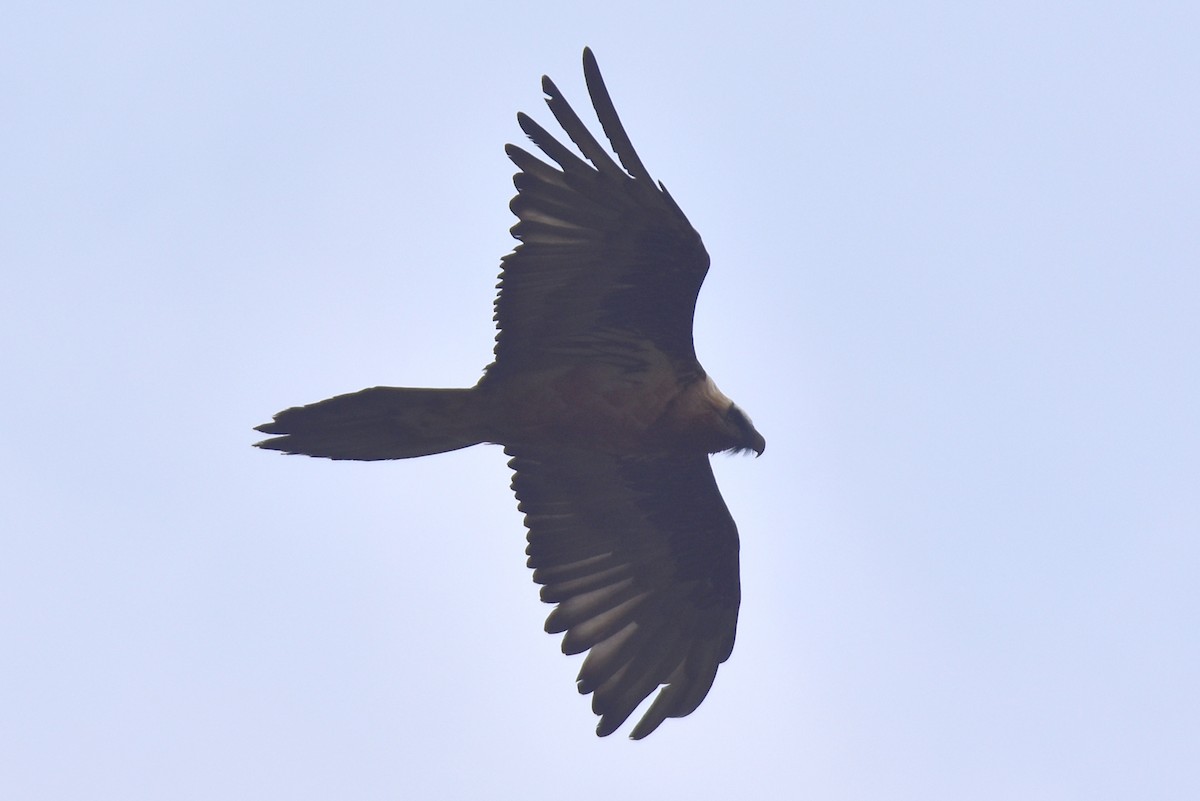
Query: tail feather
point(379, 423)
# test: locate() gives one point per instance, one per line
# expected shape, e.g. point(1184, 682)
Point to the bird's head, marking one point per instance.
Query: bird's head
point(745, 436)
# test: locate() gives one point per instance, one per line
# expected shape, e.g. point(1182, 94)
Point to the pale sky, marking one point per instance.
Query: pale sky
point(955, 283)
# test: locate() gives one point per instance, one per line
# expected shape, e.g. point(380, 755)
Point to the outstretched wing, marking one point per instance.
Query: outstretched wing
point(641, 556)
point(606, 258)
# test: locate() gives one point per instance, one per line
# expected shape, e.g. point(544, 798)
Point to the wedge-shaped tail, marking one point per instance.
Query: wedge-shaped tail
point(379, 423)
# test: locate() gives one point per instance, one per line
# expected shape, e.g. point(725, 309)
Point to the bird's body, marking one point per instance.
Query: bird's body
point(596, 394)
point(606, 409)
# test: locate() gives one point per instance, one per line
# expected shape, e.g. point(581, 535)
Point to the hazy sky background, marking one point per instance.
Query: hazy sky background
point(955, 282)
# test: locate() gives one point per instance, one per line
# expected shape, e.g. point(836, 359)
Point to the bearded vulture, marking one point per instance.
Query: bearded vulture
point(597, 396)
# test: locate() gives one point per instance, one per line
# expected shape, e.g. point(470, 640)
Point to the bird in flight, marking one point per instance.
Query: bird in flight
point(596, 394)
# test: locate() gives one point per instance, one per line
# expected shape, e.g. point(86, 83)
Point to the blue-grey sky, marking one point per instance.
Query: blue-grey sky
point(955, 283)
